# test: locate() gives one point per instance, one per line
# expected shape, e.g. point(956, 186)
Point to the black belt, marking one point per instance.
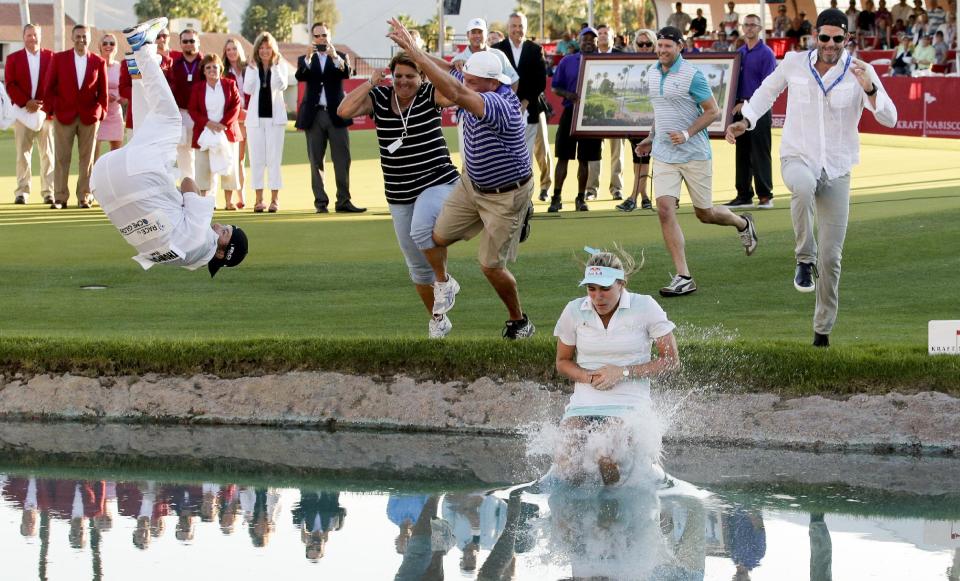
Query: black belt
point(323, 108)
point(502, 188)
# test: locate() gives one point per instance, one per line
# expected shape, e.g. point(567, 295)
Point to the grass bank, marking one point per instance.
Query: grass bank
point(731, 366)
point(332, 292)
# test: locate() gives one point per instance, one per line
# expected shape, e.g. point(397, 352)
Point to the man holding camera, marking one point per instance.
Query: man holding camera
point(324, 68)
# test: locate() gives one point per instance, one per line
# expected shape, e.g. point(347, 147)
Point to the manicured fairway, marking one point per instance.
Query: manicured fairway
point(316, 276)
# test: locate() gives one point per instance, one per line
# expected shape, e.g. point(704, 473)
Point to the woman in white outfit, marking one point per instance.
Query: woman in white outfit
point(265, 81)
point(234, 67)
point(603, 344)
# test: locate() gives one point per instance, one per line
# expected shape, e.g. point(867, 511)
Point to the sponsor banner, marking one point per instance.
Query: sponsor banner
point(943, 338)
point(910, 95)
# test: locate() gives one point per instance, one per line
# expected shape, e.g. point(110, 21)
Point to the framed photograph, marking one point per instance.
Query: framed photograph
point(614, 92)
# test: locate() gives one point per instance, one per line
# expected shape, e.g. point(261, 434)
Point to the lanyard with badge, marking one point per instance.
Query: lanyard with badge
point(816, 75)
point(393, 147)
point(193, 67)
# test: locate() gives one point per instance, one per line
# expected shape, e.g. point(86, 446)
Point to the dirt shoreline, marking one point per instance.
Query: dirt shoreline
point(921, 423)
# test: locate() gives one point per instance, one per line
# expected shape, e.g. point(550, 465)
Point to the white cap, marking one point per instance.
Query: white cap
point(476, 23)
point(486, 65)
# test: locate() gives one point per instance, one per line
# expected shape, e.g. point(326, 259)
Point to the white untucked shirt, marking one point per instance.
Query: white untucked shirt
point(33, 63)
point(81, 63)
point(820, 129)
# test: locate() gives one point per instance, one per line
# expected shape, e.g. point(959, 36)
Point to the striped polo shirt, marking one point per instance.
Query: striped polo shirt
point(494, 146)
point(422, 160)
point(676, 96)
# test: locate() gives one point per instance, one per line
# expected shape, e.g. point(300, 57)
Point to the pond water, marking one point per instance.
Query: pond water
point(721, 514)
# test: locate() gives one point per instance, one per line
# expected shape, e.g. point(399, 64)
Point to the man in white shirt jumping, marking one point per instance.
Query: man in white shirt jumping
point(828, 90)
point(135, 184)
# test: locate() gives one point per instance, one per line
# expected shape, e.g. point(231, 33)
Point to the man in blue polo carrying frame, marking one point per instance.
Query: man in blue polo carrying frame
point(828, 91)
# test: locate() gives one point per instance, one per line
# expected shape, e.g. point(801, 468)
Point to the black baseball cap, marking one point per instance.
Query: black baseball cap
point(832, 17)
point(671, 33)
point(234, 254)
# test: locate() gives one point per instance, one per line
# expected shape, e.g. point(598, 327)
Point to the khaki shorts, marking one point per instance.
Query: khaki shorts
point(697, 174)
point(496, 217)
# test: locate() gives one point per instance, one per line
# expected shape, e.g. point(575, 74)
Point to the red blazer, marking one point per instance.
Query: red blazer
point(16, 76)
point(126, 85)
point(231, 110)
point(64, 101)
point(177, 77)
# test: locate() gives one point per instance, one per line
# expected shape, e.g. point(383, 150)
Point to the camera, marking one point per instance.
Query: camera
point(320, 47)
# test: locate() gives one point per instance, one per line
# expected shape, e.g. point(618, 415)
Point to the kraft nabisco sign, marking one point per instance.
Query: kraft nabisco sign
point(943, 338)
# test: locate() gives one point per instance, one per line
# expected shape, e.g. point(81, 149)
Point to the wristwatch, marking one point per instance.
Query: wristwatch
point(872, 91)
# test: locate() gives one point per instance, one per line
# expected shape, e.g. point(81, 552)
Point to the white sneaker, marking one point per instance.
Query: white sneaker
point(440, 327)
point(445, 295)
point(749, 235)
point(678, 286)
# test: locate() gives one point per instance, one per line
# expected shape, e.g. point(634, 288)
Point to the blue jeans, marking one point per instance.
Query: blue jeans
point(413, 224)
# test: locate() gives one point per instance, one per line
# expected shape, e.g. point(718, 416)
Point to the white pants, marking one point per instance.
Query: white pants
point(185, 155)
point(266, 152)
point(538, 145)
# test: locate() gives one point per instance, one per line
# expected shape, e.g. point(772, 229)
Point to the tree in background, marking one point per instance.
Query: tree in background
point(279, 17)
point(624, 15)
point(208, 12)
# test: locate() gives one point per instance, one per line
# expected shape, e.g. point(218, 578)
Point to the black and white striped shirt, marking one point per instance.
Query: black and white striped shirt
point(423, 160)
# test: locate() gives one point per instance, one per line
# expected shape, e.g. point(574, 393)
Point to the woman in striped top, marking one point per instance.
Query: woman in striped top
point(417, 172)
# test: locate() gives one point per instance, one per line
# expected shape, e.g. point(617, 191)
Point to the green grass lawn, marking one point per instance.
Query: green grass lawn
point(334, 277)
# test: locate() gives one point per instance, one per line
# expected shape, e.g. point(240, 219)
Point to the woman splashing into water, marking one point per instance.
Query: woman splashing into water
point(603, 344)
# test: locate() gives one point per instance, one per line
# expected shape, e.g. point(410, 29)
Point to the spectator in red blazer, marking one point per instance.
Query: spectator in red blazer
point(126, 82)
point(75, 93)
point(184, 73)
point(215, 106)
point(23, 76)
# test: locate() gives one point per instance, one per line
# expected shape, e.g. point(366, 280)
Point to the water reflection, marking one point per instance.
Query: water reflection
point(71, 528)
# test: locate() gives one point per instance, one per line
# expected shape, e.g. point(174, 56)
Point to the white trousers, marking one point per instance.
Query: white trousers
point(266, 153)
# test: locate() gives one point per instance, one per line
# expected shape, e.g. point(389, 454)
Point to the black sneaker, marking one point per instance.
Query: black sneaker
point(525, 228)
point(582, 204)
point(522, 329)
point(646, 204)
point(739, 203)
point(627, 206)
point(555, 205)
point(803, 277)
point(544, 195)
point(821, 340)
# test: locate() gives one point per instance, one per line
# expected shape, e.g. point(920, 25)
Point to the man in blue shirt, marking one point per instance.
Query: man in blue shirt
point(757, 62)
point(585, 150)
point(493, 197)
point(683, 108)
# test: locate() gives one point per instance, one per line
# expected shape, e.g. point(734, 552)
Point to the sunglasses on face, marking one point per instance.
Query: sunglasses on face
point(827, 38)
point(188, 41)
point(163, 36)
point(319, 35)
point(645, 44)
point(108, 43)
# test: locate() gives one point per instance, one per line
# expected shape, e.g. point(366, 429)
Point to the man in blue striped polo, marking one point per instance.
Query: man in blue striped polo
point(683, 108)
point(492, 198)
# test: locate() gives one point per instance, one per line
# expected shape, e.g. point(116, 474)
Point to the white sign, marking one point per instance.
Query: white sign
point(944, 338)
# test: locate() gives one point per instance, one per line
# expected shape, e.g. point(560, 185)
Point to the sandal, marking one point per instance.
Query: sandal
point(274, 206)
point(259, 208)
point(230, 208)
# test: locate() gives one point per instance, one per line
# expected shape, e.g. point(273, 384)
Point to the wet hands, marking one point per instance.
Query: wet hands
point(606, 377)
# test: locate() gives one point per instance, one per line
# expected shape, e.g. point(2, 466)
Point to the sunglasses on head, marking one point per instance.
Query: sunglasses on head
point(826, 38)
point(188, 41)
point(645, 44)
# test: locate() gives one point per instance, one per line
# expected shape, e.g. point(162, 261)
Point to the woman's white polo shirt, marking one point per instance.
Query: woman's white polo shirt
point(636, 323)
